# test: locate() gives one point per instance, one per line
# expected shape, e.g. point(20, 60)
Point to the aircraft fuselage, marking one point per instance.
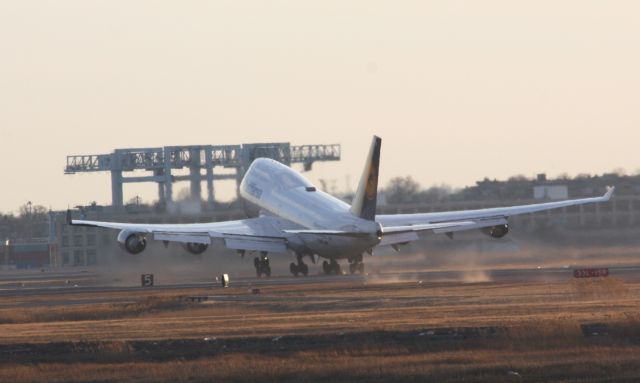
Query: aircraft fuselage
point(281, 191)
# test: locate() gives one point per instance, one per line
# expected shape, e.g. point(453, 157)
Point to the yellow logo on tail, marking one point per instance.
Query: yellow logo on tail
point(372, 183)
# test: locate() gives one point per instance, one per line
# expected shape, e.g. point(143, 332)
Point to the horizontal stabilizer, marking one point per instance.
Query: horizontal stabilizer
point(399, 238)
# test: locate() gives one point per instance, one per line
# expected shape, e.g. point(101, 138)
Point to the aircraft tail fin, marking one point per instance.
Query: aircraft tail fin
point(364, 201)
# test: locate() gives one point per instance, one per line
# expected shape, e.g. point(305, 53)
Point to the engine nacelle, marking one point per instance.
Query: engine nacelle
point(195, 248)
point(497, 231)
point(132, 242)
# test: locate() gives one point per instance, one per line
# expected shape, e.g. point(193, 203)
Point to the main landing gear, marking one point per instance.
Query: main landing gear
point(299, 267)
point(356, 264)
point(262, 265)
point(331, 267)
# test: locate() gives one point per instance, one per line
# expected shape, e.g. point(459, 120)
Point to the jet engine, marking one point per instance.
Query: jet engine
point(497, 231)
point(132, 242)
point(195, 248)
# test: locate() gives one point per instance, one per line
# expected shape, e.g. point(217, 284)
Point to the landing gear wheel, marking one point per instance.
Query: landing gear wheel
point(258, 265)
point(262, 266)
point(326, 267)
point(331, 267)
point(299, 267)
point(294, 269)
point(304, 269)
point(336, 267)
point(356, 265)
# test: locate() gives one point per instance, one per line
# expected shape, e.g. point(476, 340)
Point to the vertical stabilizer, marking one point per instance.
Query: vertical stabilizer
point(364, 202)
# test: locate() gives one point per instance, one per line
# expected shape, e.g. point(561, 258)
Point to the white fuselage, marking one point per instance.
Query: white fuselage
point(279, 190)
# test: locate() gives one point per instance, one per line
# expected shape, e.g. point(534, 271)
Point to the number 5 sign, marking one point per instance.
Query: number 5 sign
point(146, 280)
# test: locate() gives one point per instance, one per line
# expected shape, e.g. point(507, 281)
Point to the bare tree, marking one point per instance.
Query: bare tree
point(135, 201)
point(402, 190)
point(31, 210)
point(436, 193)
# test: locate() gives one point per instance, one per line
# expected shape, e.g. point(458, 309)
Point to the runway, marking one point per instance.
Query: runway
point(79, 282)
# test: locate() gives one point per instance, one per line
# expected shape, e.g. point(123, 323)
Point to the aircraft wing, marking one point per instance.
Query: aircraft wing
point(402, 228)
point(254, 234)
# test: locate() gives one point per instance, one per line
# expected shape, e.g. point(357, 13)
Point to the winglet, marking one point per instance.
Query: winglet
point(607, 196)
point(69, 220)
point(364, 201)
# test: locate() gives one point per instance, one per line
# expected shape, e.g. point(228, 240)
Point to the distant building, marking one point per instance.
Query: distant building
point(50, 242)
point(26, 255)
point(551, 192)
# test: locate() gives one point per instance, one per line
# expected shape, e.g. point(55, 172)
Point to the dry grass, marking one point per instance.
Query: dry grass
point(145, 306)
point(544, 341)
point(601, 288)
point(315, 308)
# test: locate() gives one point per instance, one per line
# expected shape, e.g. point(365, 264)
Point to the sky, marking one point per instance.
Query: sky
point(458, 90)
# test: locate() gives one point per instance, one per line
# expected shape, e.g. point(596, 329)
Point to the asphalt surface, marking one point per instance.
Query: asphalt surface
point(76, 282)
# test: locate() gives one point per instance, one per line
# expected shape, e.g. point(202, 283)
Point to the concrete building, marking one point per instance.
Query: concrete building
point(550, 192)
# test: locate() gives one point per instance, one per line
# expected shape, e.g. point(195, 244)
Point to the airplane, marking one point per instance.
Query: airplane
point(294, 216)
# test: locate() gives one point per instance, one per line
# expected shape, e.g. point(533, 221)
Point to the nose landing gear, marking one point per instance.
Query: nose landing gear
point(262, 265)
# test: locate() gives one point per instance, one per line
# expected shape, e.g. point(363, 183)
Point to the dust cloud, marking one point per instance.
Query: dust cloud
point(471, 257)
point(467, 259)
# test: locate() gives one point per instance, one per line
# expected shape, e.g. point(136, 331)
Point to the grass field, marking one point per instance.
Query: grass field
point(373, 331)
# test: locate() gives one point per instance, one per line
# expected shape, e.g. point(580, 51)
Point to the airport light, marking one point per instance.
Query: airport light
point(7, 249)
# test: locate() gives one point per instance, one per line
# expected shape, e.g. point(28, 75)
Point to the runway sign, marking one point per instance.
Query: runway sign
point(590, 273)
point(225, 280)
point(146, 280)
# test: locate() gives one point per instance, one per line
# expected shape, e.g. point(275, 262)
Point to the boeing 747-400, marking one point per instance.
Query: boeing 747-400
point(296, 217)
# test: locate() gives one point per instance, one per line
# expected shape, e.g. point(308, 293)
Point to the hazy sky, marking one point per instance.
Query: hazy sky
point(458, 90)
